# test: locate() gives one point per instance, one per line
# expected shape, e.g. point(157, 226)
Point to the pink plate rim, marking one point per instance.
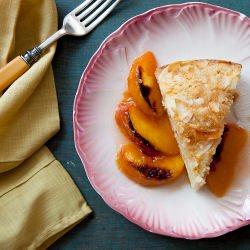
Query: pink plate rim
point(110, 202)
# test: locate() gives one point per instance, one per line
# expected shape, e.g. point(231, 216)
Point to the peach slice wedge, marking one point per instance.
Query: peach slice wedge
point(148, 171)
point(124, 123)
point(155, 130)
point(142, 84)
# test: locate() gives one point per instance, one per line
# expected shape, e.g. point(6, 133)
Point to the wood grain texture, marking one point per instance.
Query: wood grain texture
point(107, 229)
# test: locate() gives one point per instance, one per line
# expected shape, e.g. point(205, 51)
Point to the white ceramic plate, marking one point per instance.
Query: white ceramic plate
point(176, 32)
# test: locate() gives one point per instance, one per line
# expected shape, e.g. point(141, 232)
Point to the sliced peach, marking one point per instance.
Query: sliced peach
point(121, 117)
point(156, 130)
point(148, 171)
point(142, 84)
point(124, 123)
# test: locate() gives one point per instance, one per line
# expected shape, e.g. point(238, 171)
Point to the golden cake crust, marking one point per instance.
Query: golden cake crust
point(198, 95)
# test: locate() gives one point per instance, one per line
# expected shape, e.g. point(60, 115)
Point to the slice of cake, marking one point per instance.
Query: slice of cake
point(198, 95)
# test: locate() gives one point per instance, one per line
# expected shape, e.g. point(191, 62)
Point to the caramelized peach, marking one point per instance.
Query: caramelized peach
point(142, 119)
point(142, 84)
point(124, 122)
point(156, 130)
point(121, 117)
point(148, 171)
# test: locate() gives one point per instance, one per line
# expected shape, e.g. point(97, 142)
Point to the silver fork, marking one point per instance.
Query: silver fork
point(79, 22)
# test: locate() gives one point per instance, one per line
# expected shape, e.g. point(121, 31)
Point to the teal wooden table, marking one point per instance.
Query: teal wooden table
point(106, 229)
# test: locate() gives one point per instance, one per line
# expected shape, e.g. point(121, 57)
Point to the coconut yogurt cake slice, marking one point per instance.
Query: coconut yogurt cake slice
point(198, 95)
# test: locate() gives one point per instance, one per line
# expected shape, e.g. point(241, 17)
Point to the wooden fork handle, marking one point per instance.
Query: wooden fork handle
point(10, 72)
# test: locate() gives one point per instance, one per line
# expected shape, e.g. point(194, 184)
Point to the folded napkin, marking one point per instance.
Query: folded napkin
point(39, 202)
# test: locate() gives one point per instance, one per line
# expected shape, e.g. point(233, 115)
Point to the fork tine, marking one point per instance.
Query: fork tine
point(81, 6)
point(89, 9)
point(95, 13)
point(102, 16)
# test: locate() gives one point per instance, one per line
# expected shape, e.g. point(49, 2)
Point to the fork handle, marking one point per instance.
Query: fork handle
point(18, 66)
point(10, 72)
